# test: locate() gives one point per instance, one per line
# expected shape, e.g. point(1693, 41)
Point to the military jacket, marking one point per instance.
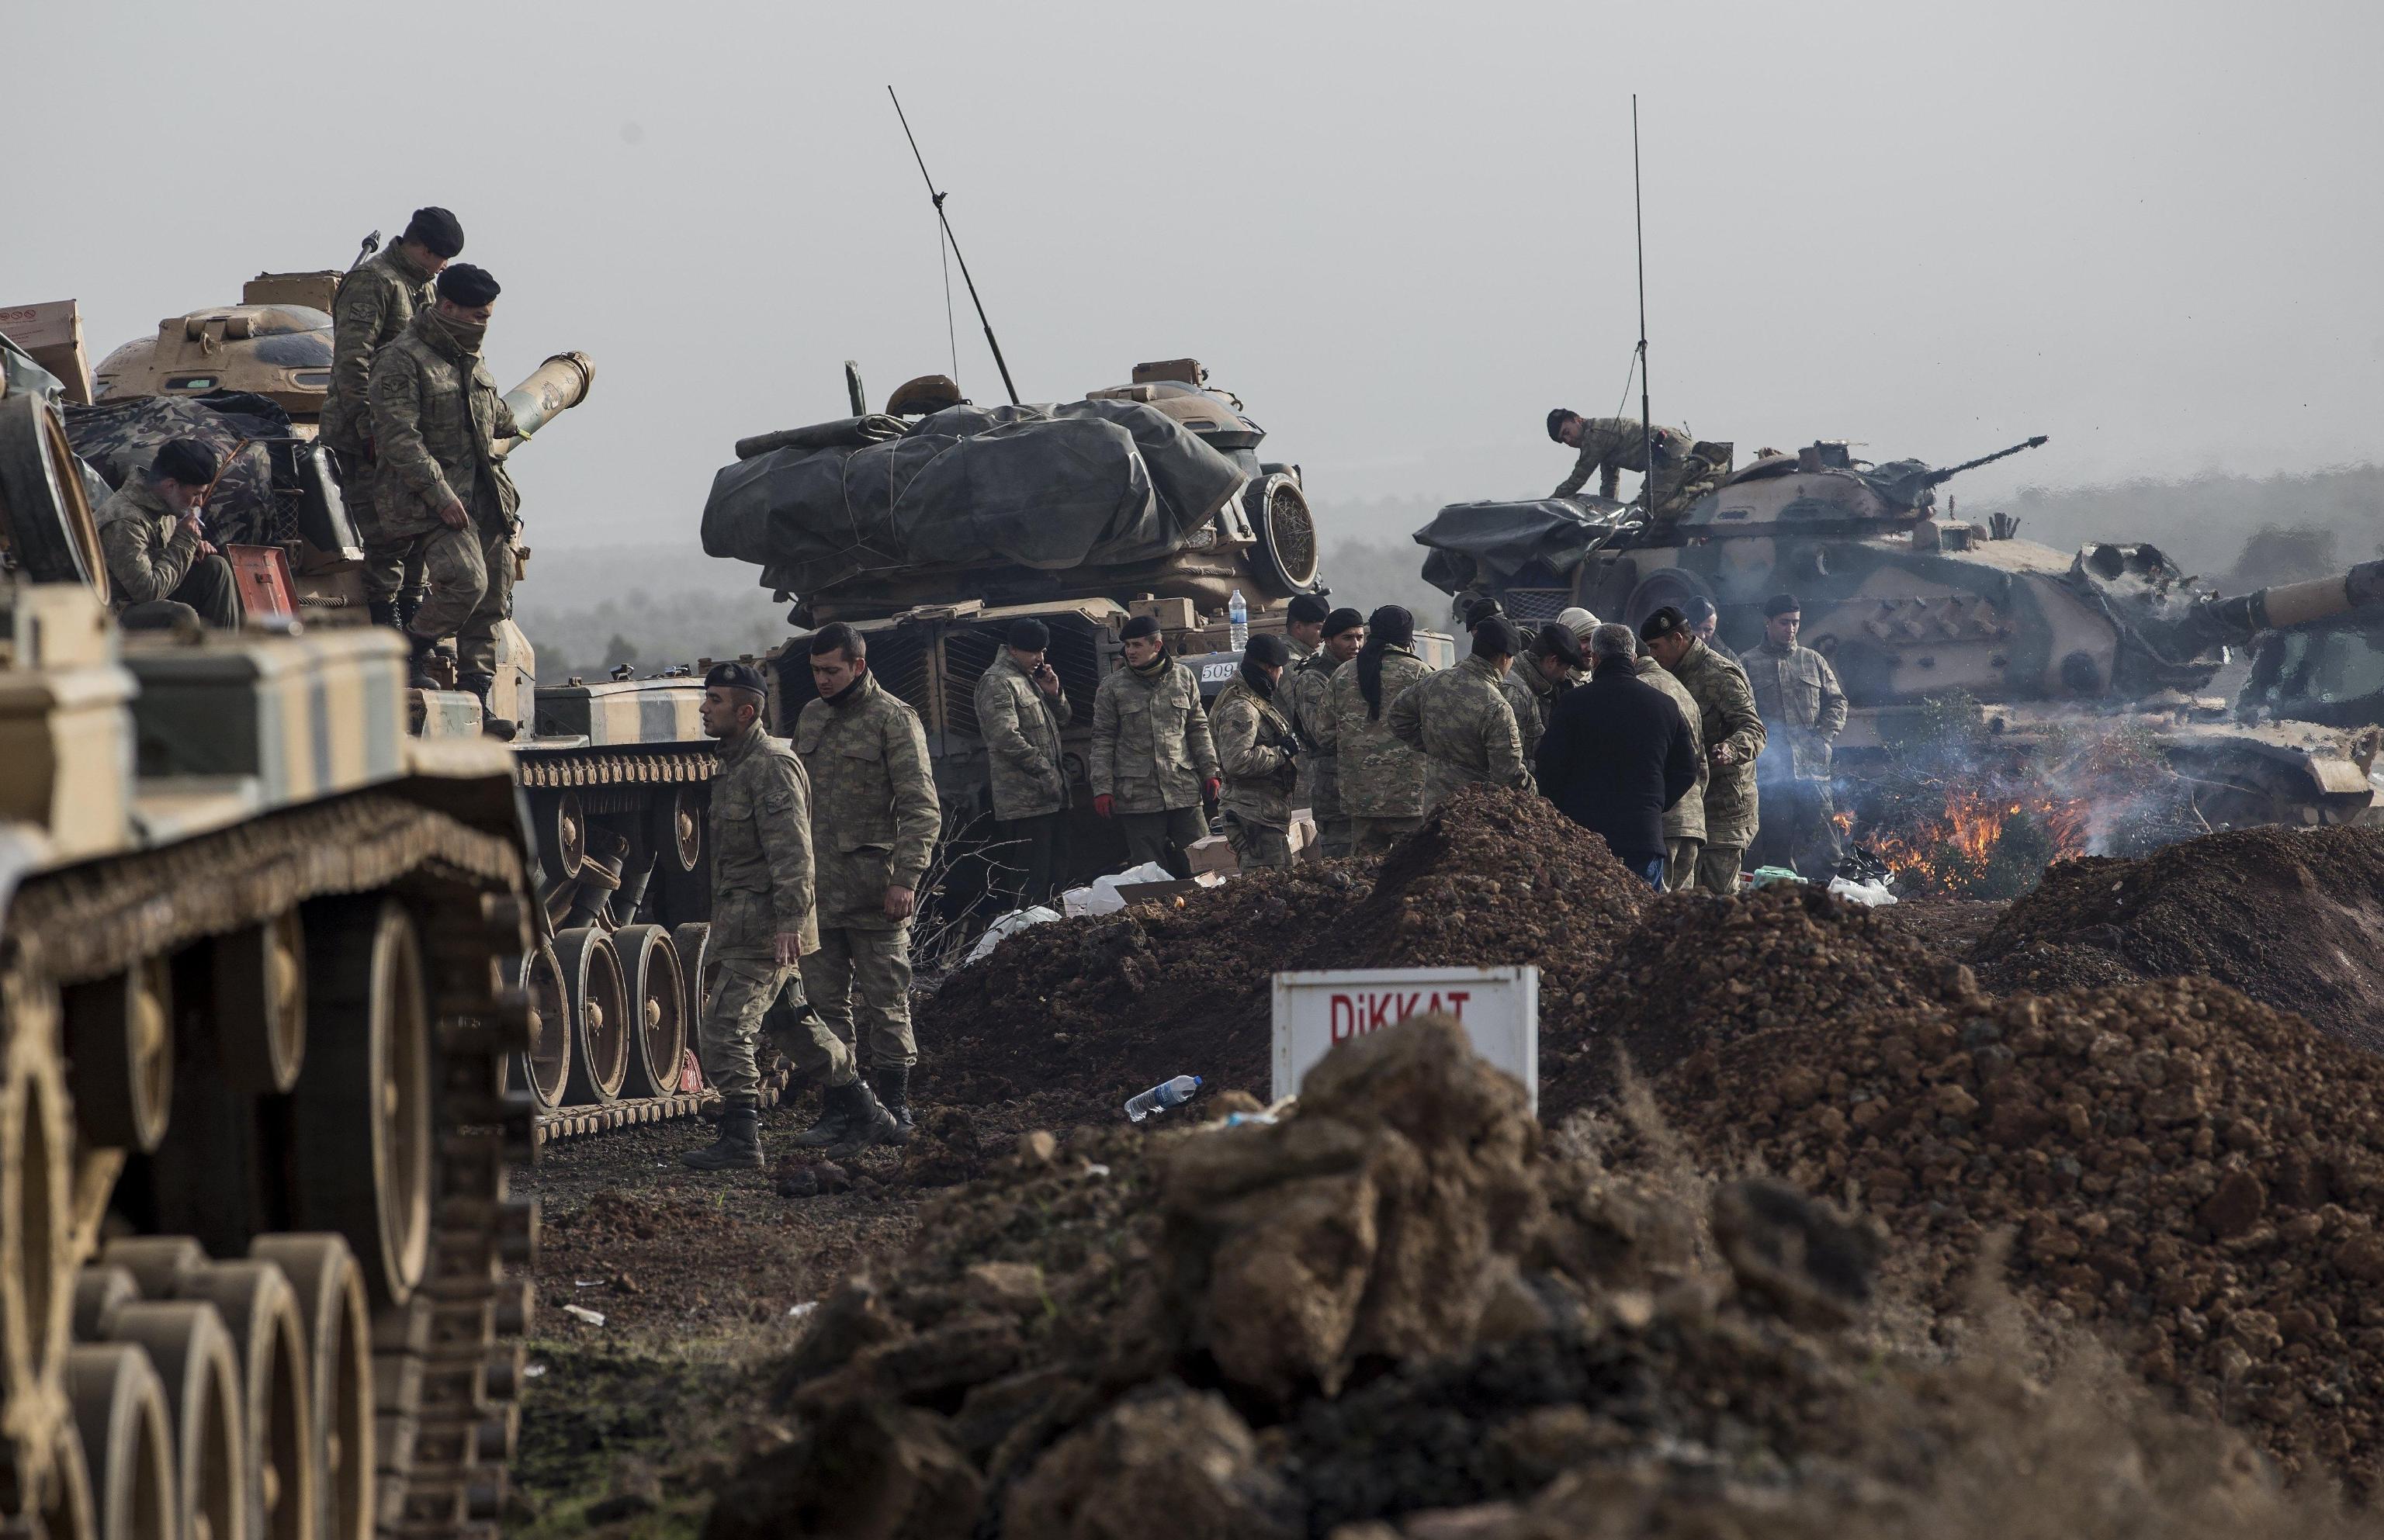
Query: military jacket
point(1021, 727)
point(1803, 711)
point(1302, 694)
point(759, 832)
point(1259, 771)
point(1379, 776)
point(1684, 820)
point(1460, 722)
point(437, 419)
point(149, 549)
point(375, 304)
point(875, 814)
point(1151, 747)
point(1726, 714)
point(1534, 695)
point(1611, 444)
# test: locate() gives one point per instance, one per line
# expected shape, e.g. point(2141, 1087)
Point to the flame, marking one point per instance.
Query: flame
point(1950, 852)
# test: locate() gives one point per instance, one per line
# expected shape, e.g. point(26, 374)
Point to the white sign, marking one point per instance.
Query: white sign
point(1221, 671)
point(1499, 1008)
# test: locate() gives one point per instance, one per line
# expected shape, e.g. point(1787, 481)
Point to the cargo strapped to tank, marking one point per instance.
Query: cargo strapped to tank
point(553, 769)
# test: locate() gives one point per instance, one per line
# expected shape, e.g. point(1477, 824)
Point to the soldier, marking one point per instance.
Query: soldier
point(1020, 710)
point(437, 420)
point(1685, 469)
point(1684, 822)
point(375, 301)
point(1380, 779)
point(1617, 754)
point(1550, 665)
point(1304, 697)
point(1154, 762)
point(875, 818)
point(763, 923)
point(1703, 621)
point(1804, 711)
point(1459, 720)
point(1303, 627)
point(160, 567)
point(1259, 755)
point(1731, 732)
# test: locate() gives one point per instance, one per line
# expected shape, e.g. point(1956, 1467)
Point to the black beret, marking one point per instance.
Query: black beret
point(1482, 609)
point(1663, 623)
point(1779, 604)
point(1698, 608)
point(735, 676)
point(1393, 625)
point(435, 229)
point(187, 460)
point(1029, 635)
point(1341, 621)
point(1308, 610)
point(464, 284)
point(1267, 649)
point(1557, 418)
point(1495, 638)
point(1557, 640)
point(1141, 626)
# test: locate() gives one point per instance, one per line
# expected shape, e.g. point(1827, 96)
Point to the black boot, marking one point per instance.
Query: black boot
point(417, 662)
point(896, 1098)
point(381, 611)
point(835, 1114)
point(739, 1148)
point(869, 1123)
point(482, 685)
point(407, 601)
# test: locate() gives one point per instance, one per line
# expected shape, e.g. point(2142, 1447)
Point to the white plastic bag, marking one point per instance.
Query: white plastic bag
point(1004, 927)
point(1873, 894)
point(1101, 898)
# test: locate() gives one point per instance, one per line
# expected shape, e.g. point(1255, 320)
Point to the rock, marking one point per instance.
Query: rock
point(1180, 1463)
point(873, 1471)
point(1793, 1253)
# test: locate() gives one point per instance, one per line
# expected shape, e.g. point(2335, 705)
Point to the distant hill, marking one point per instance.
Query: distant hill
point(2206, 522)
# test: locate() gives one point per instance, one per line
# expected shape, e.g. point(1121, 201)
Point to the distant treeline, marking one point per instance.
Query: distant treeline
point(2237, 531)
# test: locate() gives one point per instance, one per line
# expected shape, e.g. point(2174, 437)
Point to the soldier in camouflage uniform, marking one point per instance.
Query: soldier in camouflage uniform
point(1380, 780)
point(1304, 700)
point(161, 568)
point(437, 419)
point(1259, 755)
point(1731, 732)
point(375, 301)
point(875, 818)
point(1551, 664)
point(1684, 822)
point(1685, 468)
point(1153, 760)
point(1020, 709)
point(1459, 720)
point(765, 920)
point(1804, 711)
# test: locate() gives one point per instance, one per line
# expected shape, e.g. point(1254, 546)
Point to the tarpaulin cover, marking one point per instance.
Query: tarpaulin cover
point(119, 437)
point(1098, 483)
point(1483, 544)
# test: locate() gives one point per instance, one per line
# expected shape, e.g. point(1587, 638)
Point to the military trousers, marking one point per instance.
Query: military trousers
point(1029, 859)
point(206, 593)
point(1149, 836)
point(1255, 845)
point(392, 569)
point(1680, 864)
point(471, 576)
point(740, 992)
point(1799, 830)
point(1717, 869)
point(866, 974)
point(1334, 836)
point(1369, 834)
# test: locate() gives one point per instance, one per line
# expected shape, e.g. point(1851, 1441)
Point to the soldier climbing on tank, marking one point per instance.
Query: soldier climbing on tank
point(375, 301)
point(1685, 468)
point(1020, 709)
point(1804, 710)
point(161, 566)
point(1153, 760)
point(437, 420)
point(1260, 757)
point(1458, 720)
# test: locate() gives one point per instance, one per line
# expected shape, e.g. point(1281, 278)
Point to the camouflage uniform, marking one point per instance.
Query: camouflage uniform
point(1303, 696)
point(1380, 779)
point(1534, 695)
point(375, 304)
point(1460, 721)
point(1804, 710)
point(1684, 822)
point(1726, 715)
point(760, 837)
point(1153, 754)
point(1260, 771)
point(154, 561)
point(1687, 470)
point(1021, 727)
point(874, 820)
point(436, 418)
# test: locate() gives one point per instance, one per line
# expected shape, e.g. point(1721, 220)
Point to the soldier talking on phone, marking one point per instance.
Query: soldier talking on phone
point(1020, 709)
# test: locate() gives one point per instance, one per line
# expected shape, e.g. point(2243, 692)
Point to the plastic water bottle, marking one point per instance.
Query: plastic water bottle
point(1237, 611)
point(1159, 1098)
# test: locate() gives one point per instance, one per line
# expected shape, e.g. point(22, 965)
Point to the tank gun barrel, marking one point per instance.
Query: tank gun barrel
point(2237, 621)
point(1938, 478)
point(551, 390)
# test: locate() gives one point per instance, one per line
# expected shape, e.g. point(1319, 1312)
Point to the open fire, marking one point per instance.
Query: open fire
point(1956, 851)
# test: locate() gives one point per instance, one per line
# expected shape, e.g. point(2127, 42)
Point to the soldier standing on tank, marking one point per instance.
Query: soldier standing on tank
point(1153, 760)
point(1020, 709)
point(764, 922)
point(1303, 698)
point(1259, 755)
point(1550, 665)
point(437, 420)
point(161, 568)
point(1804, 710)
point(1460, 721)
point(1731, 732)
point(376, 301)
point(1380, 779)
point(874, 819)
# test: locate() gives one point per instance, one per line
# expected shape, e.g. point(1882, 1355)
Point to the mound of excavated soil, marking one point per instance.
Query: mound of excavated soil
point(2293, 918)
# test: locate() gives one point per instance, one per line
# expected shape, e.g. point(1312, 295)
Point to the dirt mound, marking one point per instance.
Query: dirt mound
point(2190, 1171)
point(2293, 918)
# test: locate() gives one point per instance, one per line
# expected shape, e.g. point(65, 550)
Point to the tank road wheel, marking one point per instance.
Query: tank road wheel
point(329, 1290)
point(120, 1039)
point(260, 988)
point(44, 516)
point(361, 1115)
point(658, 997)
point(544, 1068)
point(37, 1267)
point(692, 942)
point(281, 1433)
point(600, 1014)
point(128, 1440)
point(680, 836)
point(68, 1510)
point(563, 835)
point(193, 1353)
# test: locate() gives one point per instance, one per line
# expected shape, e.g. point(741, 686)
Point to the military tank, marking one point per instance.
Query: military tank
point(1913, 604)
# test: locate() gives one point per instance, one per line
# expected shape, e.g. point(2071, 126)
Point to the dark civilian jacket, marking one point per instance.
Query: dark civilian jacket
point(1616, 755)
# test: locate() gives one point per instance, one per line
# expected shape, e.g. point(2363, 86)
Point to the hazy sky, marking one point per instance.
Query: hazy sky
point(1401, 232)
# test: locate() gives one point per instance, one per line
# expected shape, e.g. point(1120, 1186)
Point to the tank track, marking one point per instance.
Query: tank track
point(443, 1375)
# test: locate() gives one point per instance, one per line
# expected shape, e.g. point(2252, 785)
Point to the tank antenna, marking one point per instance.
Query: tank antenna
point(938, 199)
point(1639, 231)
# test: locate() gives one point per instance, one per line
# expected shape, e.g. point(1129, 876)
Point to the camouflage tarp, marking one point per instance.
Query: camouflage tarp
point(1473, 541)
point(120, 436)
